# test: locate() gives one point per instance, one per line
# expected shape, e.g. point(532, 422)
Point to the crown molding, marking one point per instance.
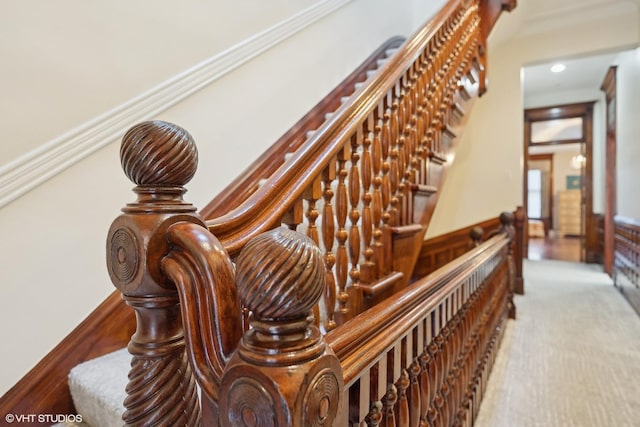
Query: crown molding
point(41, 164)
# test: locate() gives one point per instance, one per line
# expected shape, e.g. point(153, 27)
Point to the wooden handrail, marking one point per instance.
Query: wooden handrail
point(265, 208)
point(397, 131)
point(357, 336)
point(265, 165)
point(423, 356)
point(364, 185)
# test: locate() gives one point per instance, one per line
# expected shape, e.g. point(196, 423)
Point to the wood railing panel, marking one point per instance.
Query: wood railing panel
point(430, 365)
point(440, 250)
point(626, 271)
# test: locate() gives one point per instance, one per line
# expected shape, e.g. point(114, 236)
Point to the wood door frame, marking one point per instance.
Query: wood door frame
point(566, 111)
point(549, 157)
point(610, 201)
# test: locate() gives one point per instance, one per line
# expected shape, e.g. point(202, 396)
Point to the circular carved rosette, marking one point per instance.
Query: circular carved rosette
point(320, 403)
point(250, 405)
point(123, 256)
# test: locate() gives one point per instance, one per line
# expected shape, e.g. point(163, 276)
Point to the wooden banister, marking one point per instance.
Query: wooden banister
point(436, 57)
point(362, 189)
point(422, 357)
point(364, 185)
point(187, 298)
point(265, 165)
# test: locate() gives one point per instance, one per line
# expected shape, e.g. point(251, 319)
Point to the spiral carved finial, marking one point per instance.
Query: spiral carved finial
point(158, 153)
point(280, 274)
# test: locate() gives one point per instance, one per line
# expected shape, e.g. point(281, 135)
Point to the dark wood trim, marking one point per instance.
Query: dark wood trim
point(626, 266)
point(610, 204)
point(584, 110)
point(440, 250)
point(599, 220)
point(559, 142)
point(44, 390)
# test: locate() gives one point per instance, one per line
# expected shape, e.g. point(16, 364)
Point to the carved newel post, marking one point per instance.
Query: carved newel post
point(507, 220)
point(159, 158)
point(283, 373)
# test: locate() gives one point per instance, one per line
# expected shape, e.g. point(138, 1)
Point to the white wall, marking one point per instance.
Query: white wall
point(628, 133)
point(487, 173)
point(71, 61)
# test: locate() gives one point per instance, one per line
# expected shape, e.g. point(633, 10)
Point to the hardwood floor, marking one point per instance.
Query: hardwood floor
point(558, 248)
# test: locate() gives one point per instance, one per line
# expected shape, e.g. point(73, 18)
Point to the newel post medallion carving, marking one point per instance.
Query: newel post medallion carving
point(160, 158)
point(283, 373)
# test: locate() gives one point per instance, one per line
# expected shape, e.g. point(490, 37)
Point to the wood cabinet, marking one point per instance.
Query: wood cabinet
point(569, 212)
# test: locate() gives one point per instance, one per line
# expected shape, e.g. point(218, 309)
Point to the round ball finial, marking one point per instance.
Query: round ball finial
point(506, 218)
point(280, 274)
point(158, 154)
point(476, 234)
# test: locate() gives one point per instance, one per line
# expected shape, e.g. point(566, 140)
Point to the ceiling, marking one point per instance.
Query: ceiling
point(580, 74)
point(537, 16)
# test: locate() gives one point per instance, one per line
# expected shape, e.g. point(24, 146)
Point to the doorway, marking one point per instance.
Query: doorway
point(557, 182)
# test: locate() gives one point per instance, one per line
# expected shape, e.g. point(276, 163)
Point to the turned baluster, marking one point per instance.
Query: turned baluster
point(376, 204)
point(385, 261)
point(413, 393)
point(402, 403)
point(388, 403)
point(328, 234)
point(342, 257)
point(160, 158)
point(367, 269)
point(355, 184)
point(282, 373)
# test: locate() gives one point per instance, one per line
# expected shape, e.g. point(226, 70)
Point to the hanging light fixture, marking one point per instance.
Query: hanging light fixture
point(578, 162)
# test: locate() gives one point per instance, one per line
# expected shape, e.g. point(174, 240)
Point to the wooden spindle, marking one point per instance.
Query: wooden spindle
point(328, 234)
point(342, 257)
point(355, 184)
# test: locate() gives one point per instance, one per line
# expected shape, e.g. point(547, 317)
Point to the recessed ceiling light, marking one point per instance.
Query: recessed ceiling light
point(558, 68)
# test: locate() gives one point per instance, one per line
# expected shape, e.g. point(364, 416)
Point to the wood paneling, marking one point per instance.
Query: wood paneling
point(440, 250)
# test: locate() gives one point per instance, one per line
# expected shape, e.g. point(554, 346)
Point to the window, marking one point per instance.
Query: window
point(534, 205)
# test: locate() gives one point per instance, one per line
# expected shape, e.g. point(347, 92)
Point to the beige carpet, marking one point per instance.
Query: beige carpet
point(572, 358)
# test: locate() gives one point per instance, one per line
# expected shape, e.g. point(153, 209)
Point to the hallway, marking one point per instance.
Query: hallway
point(572, 357)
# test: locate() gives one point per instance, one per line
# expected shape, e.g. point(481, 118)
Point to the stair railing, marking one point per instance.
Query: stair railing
point(362, 187)
point(434, 340)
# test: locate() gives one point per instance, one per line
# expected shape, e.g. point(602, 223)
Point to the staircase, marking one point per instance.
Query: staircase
point(359, 175)
point(98, 386)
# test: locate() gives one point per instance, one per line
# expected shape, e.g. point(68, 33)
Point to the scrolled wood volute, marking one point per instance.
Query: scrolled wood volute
point(159, 158)
point(283, 373)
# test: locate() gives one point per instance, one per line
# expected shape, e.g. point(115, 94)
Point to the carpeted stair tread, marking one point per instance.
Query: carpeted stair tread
point(98, 388)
